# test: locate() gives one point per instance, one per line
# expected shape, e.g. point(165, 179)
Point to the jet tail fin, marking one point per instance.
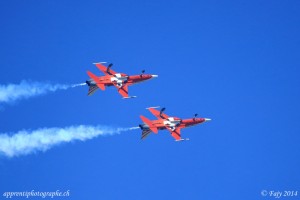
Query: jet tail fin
point(149, 123)
point(92, 89)
point(145, 133)
point(95, 79)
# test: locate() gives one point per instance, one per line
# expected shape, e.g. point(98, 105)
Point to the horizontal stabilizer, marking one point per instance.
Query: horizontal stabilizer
point(95, 79)
point(149, 123)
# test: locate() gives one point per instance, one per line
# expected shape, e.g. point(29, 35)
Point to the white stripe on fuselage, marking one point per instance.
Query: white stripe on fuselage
point(171, 122)
point(119, 79)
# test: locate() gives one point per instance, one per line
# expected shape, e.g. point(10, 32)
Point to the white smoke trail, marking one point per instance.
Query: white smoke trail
point(26, 142)
point(76, 85)
point(26, 89)
point(133, 128)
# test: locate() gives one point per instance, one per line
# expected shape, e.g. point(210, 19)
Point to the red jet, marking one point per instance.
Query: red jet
point(173, 124)
point(119, 80)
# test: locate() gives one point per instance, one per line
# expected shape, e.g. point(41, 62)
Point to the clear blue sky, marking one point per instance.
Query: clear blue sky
point(236, 62)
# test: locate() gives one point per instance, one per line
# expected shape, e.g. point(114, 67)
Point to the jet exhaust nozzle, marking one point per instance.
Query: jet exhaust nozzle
point(141, 126)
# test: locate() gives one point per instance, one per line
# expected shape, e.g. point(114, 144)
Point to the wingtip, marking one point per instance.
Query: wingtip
point(99, 63)
point(152, 107)
point(130, 97)
point(182, 139)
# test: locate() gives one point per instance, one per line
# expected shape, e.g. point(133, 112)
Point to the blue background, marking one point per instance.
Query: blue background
point(236, 62)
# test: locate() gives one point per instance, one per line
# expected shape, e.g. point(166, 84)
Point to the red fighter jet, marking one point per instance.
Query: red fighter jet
point(119, 80)
point(173, 124)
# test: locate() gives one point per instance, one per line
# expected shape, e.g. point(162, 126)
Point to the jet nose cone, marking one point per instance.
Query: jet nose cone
point(154, 76)
point(207, 119)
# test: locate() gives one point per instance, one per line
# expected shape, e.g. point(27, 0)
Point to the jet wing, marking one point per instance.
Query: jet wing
point(157, 114)
point(105, 70)
point(122, 90)
point(175, 133)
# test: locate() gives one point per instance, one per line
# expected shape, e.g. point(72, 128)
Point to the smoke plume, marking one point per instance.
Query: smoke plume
point(26, 89)
point(29, 141)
